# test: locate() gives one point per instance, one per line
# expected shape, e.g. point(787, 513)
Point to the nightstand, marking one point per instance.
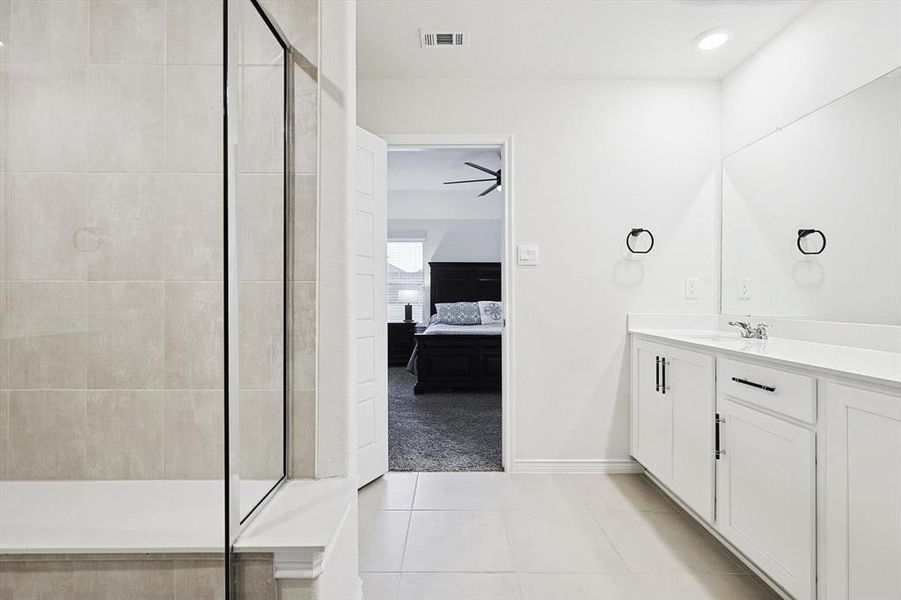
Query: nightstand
point(400, 342)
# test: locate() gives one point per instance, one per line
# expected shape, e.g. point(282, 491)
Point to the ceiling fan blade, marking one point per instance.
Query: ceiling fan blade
point(489, 190)
point(481, 168)
point(470, 181)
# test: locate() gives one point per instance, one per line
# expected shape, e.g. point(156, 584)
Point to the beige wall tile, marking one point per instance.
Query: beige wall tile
point(306, 227)
point(125, 214)
point(193, 434)
point(124, 436)
point(299, 20)
point(47, 117)
point(194, 335)
point(128, 31)
point(46, 434)
point(261, 226)
point(48, 32)
point(298, 589)
point(261, 127)
point(199, 580)
point(126, 116)
point(4, 434)
point(306, 122)
point(44, 323)
point(303, 349)
point(29, 580)
point(258, 45)
point(303, 435)
point(255, 579)
point(194, 118)
point(193, 228)
point(125, 335)
point(260, 421)
point(194, 32)
point(44, 213)
point(120, 579)
point(261, 317)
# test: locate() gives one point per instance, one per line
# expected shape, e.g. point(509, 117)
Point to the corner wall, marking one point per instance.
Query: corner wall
point(592, 159)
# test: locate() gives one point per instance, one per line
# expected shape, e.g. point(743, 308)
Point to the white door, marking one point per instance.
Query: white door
point(863, 493)
point(369, 246)
point(651, 411)
point(690, 377)
point(765, 485)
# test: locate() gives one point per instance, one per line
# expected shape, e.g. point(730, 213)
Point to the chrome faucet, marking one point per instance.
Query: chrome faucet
point(757, 332)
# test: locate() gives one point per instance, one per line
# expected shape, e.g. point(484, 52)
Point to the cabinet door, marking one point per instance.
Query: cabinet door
point(863, 493)
point(651, 412)
point(692, 390)
point(765, 494)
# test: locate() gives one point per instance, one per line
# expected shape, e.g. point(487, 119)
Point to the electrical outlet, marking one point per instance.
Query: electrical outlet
point(691, 288)
point(744, 288)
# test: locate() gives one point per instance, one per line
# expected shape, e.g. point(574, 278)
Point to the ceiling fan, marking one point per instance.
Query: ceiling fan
point(495, 177)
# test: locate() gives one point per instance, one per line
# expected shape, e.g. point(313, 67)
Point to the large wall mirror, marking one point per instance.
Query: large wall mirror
point(262, 201)
point(836, 171)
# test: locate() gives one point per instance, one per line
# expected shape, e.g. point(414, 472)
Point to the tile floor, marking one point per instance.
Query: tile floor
point(456, 536)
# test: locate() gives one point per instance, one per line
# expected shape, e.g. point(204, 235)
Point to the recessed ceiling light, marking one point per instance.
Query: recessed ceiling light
point(712, 39)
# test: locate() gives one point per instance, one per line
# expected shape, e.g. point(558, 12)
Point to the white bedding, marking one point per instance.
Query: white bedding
point(442, 329)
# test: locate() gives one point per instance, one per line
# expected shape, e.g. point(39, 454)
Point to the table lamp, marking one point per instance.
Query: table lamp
point(408, 297)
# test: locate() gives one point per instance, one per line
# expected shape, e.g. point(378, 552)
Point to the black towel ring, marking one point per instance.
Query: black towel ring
point(803, 233)
point(636, 231)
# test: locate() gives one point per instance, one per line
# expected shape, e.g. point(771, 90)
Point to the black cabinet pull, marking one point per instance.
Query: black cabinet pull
point(657, 374)
point(759, 386)
point(663, 378)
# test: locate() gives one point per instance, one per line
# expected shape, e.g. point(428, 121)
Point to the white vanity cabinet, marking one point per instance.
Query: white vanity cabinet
point(796, 467)
point(862, 523)
point(672, 420)
point(766, 470)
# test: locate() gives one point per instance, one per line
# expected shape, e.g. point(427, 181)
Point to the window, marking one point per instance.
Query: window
point(405, 272)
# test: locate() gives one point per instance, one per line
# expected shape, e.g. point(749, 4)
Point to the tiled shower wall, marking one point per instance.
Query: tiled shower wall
point(111, 253)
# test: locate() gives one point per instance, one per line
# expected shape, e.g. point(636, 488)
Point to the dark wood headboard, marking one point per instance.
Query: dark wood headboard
point(463, 282)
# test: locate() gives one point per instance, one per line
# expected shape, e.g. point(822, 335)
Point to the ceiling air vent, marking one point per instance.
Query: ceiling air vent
point(433, 38)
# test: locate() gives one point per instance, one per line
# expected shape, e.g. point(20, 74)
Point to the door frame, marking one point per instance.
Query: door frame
point(508, 254)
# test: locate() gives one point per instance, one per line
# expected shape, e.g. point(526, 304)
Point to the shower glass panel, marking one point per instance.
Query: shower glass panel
point(262, 261)
point(112, 370)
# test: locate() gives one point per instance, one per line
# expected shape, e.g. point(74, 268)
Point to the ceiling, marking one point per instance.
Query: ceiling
point(564, 39)
point(428, 169)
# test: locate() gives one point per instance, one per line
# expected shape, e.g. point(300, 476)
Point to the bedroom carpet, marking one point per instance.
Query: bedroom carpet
point(441, 431)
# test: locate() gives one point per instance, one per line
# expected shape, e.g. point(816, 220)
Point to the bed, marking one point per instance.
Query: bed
point(459, 357)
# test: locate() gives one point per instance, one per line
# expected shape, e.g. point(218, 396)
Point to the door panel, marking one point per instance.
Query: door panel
point(652, 417)
point(369, 242)
point(863, 493)
point(691, 379)
point(765, 494)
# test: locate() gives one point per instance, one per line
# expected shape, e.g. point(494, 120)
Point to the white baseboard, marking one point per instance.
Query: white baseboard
point(540, 465)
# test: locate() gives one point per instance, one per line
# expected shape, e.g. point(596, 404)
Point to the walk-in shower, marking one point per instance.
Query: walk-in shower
point(157, 285)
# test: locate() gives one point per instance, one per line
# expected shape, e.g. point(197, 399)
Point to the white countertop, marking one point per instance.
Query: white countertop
point(873, 365)
point(304, 514)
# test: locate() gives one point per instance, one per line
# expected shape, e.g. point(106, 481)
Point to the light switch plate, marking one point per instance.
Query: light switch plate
point(691, 288)
point(527, 255)
point(743, 289)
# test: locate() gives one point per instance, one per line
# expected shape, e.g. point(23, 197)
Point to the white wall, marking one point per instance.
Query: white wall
point(591, 160)
point(830, 50)
point(335, 426)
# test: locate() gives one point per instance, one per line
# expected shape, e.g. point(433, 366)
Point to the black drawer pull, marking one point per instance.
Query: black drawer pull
point(759, 386)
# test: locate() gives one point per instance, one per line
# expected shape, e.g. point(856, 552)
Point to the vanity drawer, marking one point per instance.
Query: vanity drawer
point(782, 392)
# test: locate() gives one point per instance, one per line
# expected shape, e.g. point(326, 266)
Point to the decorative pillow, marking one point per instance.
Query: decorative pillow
point(491, 312)
point(458, 313)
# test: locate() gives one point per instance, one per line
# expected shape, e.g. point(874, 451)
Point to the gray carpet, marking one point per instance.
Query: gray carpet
point(442, 431)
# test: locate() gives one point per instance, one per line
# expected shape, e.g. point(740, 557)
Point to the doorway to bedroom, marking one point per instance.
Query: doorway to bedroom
point(445, 252)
